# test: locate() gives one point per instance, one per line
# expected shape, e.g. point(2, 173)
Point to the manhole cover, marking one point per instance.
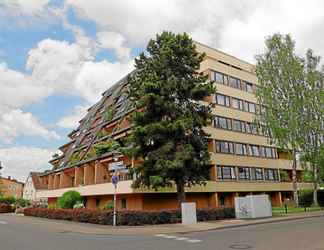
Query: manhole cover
point(240, 246)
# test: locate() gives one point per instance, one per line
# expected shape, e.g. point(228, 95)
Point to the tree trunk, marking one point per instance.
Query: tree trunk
point(294, 177)
point(315, 181)
point(181, 193)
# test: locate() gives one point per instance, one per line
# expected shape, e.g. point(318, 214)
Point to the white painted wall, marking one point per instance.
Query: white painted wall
point(29, 191)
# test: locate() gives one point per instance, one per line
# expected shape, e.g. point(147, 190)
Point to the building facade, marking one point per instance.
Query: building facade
point(11, 187)
point(32, 186)
point(243, 161)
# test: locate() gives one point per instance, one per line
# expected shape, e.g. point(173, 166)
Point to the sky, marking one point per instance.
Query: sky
point(57, 57)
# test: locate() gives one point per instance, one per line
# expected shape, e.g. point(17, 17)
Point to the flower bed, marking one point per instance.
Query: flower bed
point(5, 208)
point(130, 218)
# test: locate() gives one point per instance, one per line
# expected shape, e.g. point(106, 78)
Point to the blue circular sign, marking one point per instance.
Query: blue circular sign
point(114, 179)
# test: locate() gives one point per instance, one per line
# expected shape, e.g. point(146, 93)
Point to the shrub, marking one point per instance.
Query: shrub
point(320, 198)
point(78, 205)
point(128, 217)
point(23, 202)
point(10, 200)
point(5, 208)
point(306, 197)
point(109, 205)
point(69, 199)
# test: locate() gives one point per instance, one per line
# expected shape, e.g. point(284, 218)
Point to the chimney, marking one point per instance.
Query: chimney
point(9, 177)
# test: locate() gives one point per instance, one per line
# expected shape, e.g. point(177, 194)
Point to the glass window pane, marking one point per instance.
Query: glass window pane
point(219, 77)
point(249, 87)
point(251, 107)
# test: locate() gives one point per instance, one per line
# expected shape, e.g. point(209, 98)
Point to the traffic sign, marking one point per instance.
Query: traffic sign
point(114, 180)
point(114, 166)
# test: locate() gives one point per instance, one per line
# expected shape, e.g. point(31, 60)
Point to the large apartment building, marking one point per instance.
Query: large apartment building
point(243, 161)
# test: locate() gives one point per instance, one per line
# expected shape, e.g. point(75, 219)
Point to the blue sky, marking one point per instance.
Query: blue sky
point(57, 57)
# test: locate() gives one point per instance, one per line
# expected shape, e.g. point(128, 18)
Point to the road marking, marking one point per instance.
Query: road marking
point(3, 222)
point(182, 238)
point(194, 241)
point(178, 238)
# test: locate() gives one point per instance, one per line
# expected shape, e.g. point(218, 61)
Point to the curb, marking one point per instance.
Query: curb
point(255, 223)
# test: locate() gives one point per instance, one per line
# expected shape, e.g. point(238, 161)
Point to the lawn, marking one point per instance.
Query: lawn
point(292, 210)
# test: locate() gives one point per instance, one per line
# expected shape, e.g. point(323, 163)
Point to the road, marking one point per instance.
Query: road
point(21, 233)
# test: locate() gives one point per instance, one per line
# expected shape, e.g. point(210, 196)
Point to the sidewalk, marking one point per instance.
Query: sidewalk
point(84, 228)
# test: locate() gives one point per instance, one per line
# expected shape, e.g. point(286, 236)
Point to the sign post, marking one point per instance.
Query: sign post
point(115, 166)
point(114, 180)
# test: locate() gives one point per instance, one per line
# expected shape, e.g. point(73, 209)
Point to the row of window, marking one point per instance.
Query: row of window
point(228, 147)
point(239, 104)
point(233, 82)
point(238, 125)
point(247, 173)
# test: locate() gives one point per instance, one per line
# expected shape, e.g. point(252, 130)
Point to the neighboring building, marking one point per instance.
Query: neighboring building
point(32, 185)
point(243, 161)
point(11, 187)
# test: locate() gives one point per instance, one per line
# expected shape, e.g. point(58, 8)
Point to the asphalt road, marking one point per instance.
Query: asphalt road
point(38, 234)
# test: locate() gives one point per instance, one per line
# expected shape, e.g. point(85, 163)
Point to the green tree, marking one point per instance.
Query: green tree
point(69, 199)
point(281, 76)
point(313, 118)
point(168, 134)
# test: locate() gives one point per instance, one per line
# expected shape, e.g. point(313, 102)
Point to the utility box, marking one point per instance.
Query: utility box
point(253, 206)
point(188, 213)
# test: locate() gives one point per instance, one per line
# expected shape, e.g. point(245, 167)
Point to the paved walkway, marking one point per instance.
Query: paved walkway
point(85, 228)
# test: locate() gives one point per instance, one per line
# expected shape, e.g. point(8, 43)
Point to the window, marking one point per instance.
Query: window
point(234, 82)
point(244, 173)
point(240, 149)
point(237, 103)
point(257, 174)
point(222, 100)
point(268, 152)
point(271, 174)
point(239, 126)
point(226, 173)
point(248, 127)
point(224, 147)
point(251, 107)
point(254, 129)
point(223, 122)
point(262, 151)
point(249, 87)
point(123, 204)
point(254, 150)
point(219, 77)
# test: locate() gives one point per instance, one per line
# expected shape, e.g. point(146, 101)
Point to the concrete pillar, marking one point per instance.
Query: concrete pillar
point(50, 182)
point(213, 200)
point(213, 173)
point(91, 203)
point(79, 176)
point(56, 181)
point(275, 199)
point(65, 180)
point(101, 173)
point(89, 175)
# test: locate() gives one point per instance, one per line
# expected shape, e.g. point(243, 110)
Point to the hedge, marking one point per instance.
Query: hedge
point(5, 208)
point(127, 217)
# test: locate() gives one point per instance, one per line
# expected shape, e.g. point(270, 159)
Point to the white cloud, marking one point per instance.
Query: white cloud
point(18, 89)
point(57, 63)
point(26, 7)
point(16, 123)
point(96, 77)
point(238, 27)
point(113, 40)
point(71, 121)
point(19, 161)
